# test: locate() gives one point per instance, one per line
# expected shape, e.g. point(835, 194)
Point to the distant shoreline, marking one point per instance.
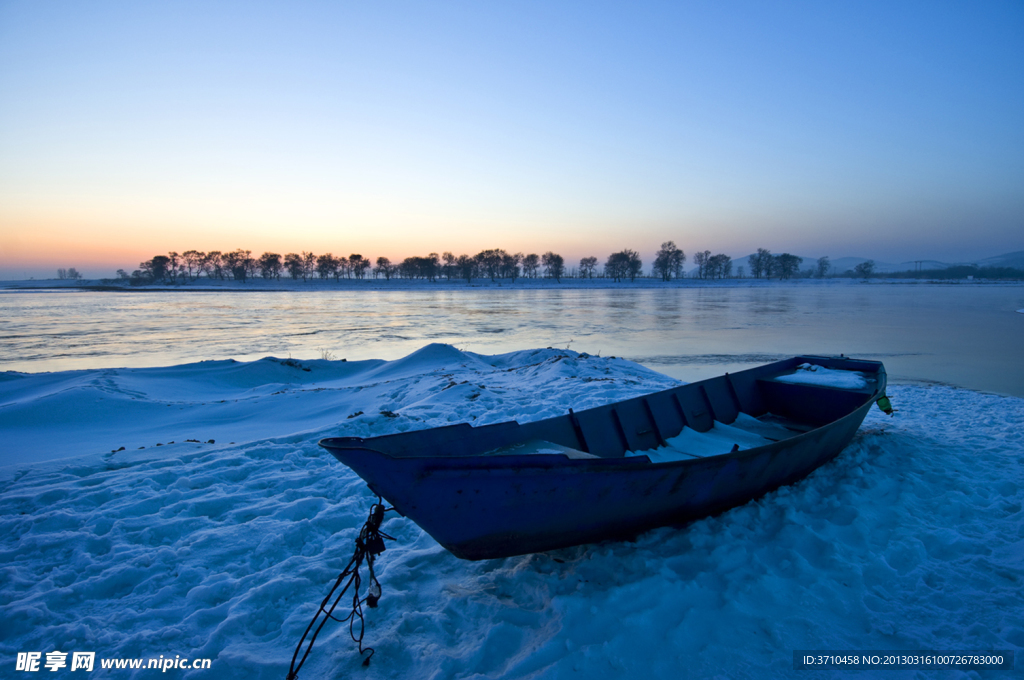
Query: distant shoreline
point(346, 285)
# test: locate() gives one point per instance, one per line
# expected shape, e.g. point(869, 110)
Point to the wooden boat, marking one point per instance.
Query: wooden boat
point(617, 470)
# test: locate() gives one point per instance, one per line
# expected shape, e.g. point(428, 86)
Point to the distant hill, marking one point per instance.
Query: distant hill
point(844, 264)
point(1015, 260)
point(839, 265)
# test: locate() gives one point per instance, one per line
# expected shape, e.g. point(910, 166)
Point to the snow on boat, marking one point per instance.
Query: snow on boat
point(620, 469)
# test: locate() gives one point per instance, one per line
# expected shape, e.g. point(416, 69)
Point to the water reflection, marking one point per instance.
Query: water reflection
point(964, 335)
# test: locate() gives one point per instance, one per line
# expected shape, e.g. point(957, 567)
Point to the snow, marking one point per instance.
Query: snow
point(912, 539)
point(48, 416)
point(721, 438)
point(811, 374)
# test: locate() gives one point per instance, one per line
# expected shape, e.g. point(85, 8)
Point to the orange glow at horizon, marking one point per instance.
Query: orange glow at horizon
point(114, 241)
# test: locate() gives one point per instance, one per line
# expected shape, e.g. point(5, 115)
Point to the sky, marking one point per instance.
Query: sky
point(890, 130)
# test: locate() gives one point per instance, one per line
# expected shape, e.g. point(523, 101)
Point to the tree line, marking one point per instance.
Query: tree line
point(495, 264)
point(785, 266)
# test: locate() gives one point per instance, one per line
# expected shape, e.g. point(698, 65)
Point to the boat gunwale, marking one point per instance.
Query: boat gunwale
point(546, 461)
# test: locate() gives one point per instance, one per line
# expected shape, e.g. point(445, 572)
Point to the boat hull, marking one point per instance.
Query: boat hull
point(482, 507)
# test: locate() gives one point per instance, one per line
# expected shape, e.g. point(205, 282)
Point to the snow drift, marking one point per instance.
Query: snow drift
point(913, 538)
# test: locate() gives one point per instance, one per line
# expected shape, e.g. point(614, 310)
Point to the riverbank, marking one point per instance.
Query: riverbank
point(315, 285)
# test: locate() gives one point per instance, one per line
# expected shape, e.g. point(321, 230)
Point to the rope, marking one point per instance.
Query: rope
point(369, 544)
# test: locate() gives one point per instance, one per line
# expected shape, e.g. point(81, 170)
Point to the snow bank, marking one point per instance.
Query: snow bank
point(913, 538)
point(48, 416)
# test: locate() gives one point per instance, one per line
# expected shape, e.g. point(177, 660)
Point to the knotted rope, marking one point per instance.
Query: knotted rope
point(369, 544)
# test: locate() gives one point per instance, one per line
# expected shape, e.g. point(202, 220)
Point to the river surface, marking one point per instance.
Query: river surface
point(965, 335)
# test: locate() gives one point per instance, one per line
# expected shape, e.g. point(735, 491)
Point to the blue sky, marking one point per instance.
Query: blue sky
point(884, 130)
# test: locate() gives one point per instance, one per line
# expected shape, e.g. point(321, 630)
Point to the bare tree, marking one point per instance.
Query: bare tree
point(155, 269)
point(634, 265)
point(554, 265)
point(615, 266)
point(622, 264)
point(433, 266)
point(668, 261)
point(358, 264)
point(213, 264)
point(821, 271)
point(489, 262)
point(269, 265)
point(308, 264)
point(172, 265)
point(531, 263)
point(230, 264)
point(760, 263)
point(719, 266)
point(510, 266)
point(701, 259)
point(420, 267)
point(327, 266)
point(466, 266)
point(587, 267)
point(240, 263)
point(192, 261)
point(865, 269)
point(249, 262)
point(344, 268)
point(409, 268)
point(71, 273)
point(785, 265)
point(293, 263)
point(449, 268)
point(384, 267)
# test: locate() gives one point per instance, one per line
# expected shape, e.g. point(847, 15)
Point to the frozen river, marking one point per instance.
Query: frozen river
point(964, 335)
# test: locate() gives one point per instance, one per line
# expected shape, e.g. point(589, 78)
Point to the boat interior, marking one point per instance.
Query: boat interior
point(748, 409)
